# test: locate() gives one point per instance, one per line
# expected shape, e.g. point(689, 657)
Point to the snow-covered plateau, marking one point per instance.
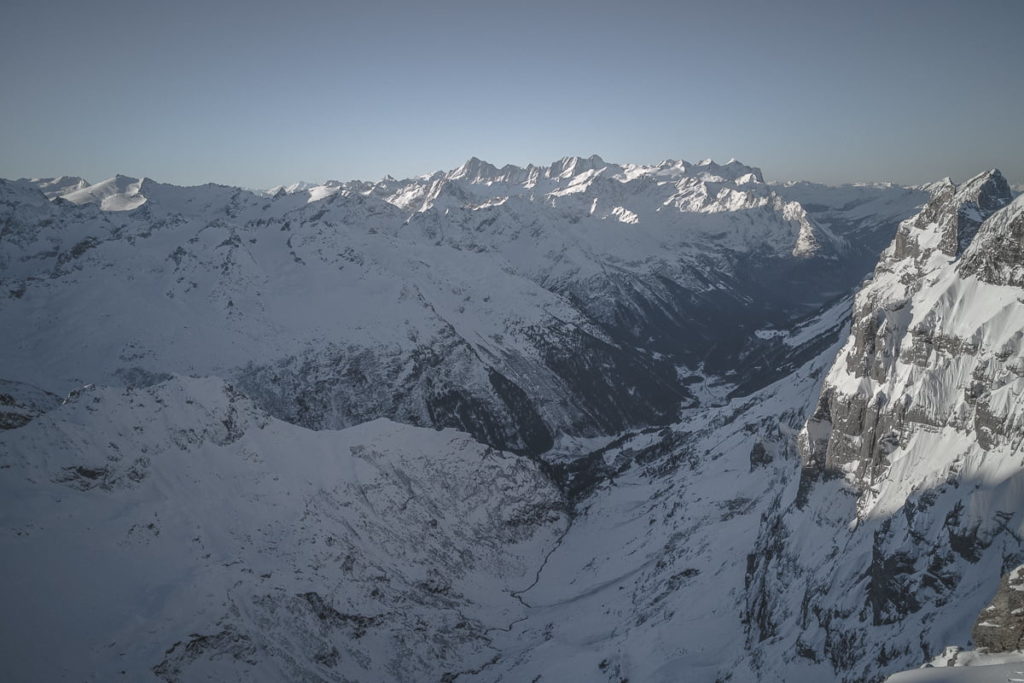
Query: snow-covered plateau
point(576, 422)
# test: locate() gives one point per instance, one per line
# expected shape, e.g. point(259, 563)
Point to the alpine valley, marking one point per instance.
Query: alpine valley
point(578, 422)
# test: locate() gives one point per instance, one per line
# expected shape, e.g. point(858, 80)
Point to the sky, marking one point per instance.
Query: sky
point(254, 93)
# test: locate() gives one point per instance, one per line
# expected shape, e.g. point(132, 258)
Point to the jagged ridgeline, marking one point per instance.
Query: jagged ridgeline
point(280, 429)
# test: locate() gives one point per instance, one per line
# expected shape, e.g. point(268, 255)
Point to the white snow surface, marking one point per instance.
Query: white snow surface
point(56, 187)
point(648, 583)
point(119, 193)
point(178, 530)
point(966, 666)
point(209, 274)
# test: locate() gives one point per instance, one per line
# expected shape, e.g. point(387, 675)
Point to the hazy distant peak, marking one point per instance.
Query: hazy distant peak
point(300, 186)
point(478, 171)
point(475, 170)
point(732, 170)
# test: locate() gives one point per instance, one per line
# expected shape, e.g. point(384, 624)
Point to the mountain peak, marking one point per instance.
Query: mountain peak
point(934, 188)
point(957, 211)
point(474, 170)
point(120, 193)
point(972, 203)
point(989, 190)
point(570, 166)
point(731, 170)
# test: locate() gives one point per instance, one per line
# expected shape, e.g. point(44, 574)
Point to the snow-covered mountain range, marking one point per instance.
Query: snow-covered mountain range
point(274, 435)
point(515, 304)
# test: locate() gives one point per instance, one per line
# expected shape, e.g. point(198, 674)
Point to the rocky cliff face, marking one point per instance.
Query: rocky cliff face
point(913, 340)
point(913, 470)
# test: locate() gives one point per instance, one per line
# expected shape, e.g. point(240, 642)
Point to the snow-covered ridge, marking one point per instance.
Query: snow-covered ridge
point(959, 666)
point(705, 187)
point(56, 187)
point(119, 193)
point(629, 193)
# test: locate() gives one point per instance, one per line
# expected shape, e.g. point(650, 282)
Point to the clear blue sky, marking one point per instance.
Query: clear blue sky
point(258, 93)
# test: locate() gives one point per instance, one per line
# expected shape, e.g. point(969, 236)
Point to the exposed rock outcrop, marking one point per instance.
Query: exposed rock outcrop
point(903, 343)
point(1000, 626)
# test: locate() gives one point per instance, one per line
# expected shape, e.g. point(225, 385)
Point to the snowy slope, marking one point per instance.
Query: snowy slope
point(981, 668)
point(21, 403)
point(56, 187)
point(860, 212)
point(179, 531)
point(647, 584)
point(119, 193)
point(708, 549)
point(215, 281)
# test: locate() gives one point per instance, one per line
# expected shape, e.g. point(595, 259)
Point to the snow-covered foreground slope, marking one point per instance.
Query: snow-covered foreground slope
point(959, 666)
point(178, 531)
point(999, 668)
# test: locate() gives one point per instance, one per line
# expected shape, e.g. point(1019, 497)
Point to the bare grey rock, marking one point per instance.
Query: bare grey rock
point(1000, 626)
